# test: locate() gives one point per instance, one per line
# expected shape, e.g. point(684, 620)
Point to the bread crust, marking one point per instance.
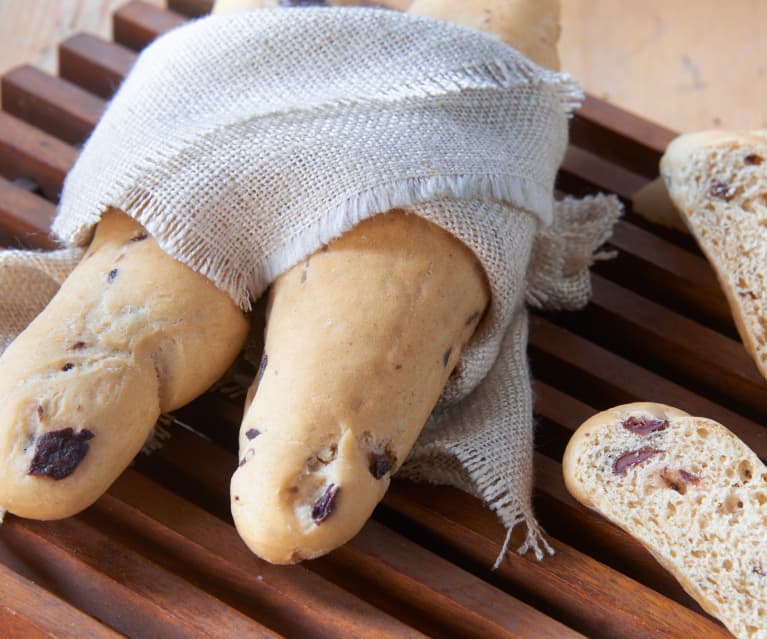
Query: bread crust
point(131, 333)
point(581, 439)
point(689, 187)
point(725, 495)
point(530, 26)
point(360, 341)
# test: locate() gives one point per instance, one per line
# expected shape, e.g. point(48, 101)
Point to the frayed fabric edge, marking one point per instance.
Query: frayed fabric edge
point(510, 511)
point(246, 284)
point(535, 540)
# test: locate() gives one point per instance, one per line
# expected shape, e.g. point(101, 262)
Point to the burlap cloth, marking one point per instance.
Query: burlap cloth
point(244, 142)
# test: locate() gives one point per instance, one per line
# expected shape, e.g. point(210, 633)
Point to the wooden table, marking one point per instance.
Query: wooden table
point(158, 555)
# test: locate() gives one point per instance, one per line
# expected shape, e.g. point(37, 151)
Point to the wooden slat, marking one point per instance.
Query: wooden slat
point(51, 104)
point(651, 333)
point(198, 8)
point(597, 174)
point(186, 539)
point(137, 23)
point(632, 131)
point(397, 586)
point(132, 595)
point(96, 65)
point(666, 273)
point(619, 146)
point(28, 611)
point(27, 152)
point(602, 378)
point(578, 590)
point(25, 218)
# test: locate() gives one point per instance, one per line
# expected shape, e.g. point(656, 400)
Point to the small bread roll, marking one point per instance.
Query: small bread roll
point(360, 340)
point(131, 333)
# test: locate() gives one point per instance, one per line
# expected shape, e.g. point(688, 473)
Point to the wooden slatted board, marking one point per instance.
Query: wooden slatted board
point(158, 555)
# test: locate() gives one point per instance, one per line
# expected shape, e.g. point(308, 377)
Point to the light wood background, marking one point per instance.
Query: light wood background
point(685, 64)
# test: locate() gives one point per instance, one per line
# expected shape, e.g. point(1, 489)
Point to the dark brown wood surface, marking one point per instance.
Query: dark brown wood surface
point(158, 555)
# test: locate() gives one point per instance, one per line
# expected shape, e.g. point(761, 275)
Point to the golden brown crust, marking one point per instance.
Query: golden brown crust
point(130, 334)
point(530, 26)
point(360, 341)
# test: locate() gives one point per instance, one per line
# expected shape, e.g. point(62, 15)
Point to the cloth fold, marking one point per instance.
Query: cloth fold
point(245, 142)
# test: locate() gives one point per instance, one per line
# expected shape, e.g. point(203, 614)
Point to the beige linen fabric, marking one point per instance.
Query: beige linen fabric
point(28, 281)
point(244, 142)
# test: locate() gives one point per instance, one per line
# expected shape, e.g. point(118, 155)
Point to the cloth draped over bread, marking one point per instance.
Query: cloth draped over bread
point(245, 142)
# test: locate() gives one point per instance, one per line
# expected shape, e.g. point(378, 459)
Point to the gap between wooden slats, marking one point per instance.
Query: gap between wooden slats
point(29, 612)
point(25, 218)
point(602, 379)
point(206, 550)
point(115, 585)
point(168, 465)
point(54, 105)
point(397, 585)
point(27, 152)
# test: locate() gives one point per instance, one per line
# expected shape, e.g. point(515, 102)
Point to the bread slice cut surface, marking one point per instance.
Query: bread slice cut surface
point(691, 492)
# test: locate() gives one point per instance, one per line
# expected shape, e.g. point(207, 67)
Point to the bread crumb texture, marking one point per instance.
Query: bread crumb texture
point(692, 493)
point(718, 181)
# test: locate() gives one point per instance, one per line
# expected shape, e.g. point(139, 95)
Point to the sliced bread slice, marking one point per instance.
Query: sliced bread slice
point(691, 492)
point(718, 183)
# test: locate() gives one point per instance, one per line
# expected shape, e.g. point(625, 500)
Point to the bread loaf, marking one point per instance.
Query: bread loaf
point(691, 492)
point(530, 26)
point(131, 334)
point(718, 182)
point(360, 340)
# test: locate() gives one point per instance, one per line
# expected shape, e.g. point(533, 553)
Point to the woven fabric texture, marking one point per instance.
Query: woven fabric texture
point(245, 142)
